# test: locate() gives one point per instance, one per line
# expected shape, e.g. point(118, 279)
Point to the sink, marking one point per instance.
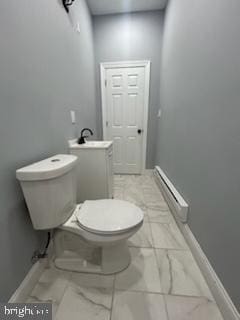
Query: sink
point(95, 144)
point(90, 144)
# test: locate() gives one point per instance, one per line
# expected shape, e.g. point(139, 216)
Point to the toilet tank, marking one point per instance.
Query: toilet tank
point(49, 188)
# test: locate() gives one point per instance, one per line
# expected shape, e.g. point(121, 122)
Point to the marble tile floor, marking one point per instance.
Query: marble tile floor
point(163, 281)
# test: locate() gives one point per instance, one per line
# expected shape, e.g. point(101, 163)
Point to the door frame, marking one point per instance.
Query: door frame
point(127, 64)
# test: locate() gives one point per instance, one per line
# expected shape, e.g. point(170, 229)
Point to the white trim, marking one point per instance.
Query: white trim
point(173, 197)
point(128, 64)
point(103, 100)
point(125, 64)
point(222, 298)
point(32, 277)
point(29, 282)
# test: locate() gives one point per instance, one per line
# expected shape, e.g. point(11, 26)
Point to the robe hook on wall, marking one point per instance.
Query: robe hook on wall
point(67, 3)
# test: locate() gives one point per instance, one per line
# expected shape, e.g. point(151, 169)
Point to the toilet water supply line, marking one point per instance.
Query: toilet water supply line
point(37, 255)
point(67, 3)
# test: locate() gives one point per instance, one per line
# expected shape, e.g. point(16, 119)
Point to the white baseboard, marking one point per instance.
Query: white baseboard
point(31, 279)
point(29, 282)
point(219, 293)
point(222, 298)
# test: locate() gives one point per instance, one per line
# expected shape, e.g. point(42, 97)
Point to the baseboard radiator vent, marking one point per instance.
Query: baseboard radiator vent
point(175, 201)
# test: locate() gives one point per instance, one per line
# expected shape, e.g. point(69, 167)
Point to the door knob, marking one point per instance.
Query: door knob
point(139, 131)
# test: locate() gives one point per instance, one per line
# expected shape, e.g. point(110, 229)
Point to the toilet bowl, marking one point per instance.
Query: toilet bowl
point(102, 226)
point(109, 233)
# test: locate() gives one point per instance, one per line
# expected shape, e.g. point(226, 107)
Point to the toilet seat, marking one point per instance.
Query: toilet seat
point(109, 217)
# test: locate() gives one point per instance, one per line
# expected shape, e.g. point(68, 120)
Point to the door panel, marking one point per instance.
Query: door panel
point(117, 81)
point(125, 107)
point(132, 110)
point(117, 110)
point(132, 80)
point(117, 150)
point(131, 151)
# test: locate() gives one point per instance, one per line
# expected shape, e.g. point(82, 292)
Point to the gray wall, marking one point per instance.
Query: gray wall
point(46, 69)
point(199, 132)
point(137, 36)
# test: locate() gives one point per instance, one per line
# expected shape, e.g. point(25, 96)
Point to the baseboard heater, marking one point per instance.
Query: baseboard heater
point(175, 201)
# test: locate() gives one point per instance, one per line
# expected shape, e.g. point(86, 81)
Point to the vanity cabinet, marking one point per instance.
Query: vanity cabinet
point(94, 169)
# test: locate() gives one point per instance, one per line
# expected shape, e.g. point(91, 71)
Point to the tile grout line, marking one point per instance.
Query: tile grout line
point(113, 295)
point(166, 308)
point(64, 291)
point(164, 300)
point(155, 253)
point(167, 250)
point(166, 295)
point(188, 249)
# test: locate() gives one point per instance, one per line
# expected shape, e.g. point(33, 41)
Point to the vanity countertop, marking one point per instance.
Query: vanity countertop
point(90, 144)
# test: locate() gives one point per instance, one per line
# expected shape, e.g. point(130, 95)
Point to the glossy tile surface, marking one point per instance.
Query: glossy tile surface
point(163, 280)
point(181, 308)
point(160, 216)
point(143, 238)
point(142, 274)
point(138, 306)
point(180, 274)
point(167, 236)
point(50, 288)
point(85, 303)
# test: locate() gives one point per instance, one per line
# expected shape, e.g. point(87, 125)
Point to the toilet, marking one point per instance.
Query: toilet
point(100, 227)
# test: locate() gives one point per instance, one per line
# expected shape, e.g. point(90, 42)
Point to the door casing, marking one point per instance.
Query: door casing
point(127, 64)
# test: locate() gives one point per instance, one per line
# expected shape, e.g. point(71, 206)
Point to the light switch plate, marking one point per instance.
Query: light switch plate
point(73, 116)
point(159, 113)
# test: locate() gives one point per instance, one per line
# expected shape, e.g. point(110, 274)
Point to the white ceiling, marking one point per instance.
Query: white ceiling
point(99, 7)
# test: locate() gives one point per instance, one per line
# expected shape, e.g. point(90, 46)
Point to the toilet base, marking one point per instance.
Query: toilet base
point(115, 258)
point(74, 254)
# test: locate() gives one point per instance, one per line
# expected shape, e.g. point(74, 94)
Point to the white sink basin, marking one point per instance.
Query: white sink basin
point(95, 144)
point(90, 144)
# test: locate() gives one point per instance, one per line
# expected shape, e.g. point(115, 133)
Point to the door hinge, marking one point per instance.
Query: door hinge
point(106, 123)
point(105, 82)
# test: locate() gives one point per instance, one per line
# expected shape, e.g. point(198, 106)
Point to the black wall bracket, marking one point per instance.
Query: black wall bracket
point(66, 4)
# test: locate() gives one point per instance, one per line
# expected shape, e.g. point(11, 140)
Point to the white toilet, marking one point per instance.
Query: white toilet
point(49, 188)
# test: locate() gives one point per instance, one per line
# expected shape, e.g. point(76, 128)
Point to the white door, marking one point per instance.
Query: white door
point(124, 117)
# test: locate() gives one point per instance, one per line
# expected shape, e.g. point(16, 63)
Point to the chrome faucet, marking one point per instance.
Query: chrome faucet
point(81, 140)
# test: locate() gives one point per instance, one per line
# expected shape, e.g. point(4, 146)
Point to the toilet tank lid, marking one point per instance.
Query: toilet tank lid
point(50, 168)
